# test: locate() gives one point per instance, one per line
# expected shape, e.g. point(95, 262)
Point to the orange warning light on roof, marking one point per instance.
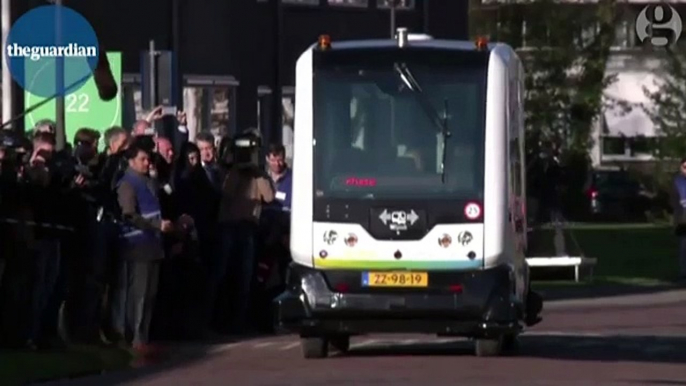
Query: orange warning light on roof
point(324, 42)
point(481, 43)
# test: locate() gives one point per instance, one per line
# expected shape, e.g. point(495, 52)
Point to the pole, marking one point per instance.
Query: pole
point(60, 132)
point(426, 17)
point(7, 97)
point(153, 75)
point(276, 131)
point(153, 84)
point(177, 79)
point(394, 4)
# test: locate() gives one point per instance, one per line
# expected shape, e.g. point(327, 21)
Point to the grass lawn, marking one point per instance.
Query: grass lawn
point(628, 254)
point(18, 367)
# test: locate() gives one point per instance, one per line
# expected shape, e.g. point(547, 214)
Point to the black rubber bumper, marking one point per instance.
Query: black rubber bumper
point(483, 306)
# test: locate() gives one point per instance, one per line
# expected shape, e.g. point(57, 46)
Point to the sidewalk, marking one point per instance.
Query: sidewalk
point(666, 296)
point(19, 367)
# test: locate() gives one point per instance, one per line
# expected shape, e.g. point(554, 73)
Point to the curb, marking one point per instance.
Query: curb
point(662, 298)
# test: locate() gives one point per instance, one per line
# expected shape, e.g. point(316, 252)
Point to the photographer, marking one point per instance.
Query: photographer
point(16, 240)
point(245, 191)
point(113, 165)
point(86, 244)
point(45, 187)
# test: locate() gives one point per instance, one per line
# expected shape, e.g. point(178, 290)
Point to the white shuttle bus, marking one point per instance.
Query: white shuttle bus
point(408, 207)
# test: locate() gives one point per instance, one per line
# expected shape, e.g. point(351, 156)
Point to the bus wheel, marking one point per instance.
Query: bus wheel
point(341, 343)
point(511, 343)
point(314, 347)
point(489, 347)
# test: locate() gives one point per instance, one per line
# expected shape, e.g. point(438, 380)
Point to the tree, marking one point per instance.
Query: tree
point(564, 49)
point(667, 107)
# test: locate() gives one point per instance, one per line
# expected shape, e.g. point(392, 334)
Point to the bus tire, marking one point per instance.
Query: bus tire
point(314, 348)
point(341, 343)
point(489, 347)
point(511, 343)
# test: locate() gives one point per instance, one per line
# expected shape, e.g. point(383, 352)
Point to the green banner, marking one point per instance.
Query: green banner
point(83, 107)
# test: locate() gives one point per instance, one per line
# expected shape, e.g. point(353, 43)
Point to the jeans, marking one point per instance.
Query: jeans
point(111, 272)
point(143, 279)
point(117, 296)
point(47, 270)
point(682, 257)
point(238, 261)
point(94, 248)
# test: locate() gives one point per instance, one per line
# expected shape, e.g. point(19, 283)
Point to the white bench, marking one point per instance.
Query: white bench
point(563, 261)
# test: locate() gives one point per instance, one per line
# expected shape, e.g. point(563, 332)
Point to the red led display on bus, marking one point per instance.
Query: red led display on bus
point(354, 181)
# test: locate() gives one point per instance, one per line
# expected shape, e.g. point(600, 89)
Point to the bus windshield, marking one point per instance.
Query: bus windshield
point(376, 138)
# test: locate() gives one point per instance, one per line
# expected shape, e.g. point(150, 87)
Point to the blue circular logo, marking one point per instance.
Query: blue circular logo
point(48, 39)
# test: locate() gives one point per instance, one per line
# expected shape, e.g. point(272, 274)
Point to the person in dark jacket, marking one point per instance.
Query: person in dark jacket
point(45, 196)
point(112, 167)
point(679, 205)
point(182, 277)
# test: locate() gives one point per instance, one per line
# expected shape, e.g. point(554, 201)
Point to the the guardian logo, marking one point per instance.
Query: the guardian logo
point(660, 24)
point(35, 53)
point(48, 40)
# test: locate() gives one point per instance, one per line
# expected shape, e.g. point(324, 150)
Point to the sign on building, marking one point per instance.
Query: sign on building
point(83, 107)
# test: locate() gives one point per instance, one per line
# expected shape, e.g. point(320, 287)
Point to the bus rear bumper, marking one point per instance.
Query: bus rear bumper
point(483, 308)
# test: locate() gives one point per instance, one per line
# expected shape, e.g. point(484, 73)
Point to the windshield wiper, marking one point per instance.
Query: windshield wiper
point(445, 134)
point(440, 122)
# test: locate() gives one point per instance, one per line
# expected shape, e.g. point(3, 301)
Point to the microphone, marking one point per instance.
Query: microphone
point(104, 80)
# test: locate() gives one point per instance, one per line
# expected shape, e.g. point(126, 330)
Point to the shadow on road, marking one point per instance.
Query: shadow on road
point(173, 356)
point(566, 347)
point(599, 290)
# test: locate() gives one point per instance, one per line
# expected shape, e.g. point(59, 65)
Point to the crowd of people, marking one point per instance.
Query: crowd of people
point(138, 243)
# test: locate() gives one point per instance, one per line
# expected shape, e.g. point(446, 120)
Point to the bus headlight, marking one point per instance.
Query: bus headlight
point(351, 240)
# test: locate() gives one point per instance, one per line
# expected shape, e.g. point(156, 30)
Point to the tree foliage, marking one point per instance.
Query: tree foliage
point(564, 48)
point(667, 108)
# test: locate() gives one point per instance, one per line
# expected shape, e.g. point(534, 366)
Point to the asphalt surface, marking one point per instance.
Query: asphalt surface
point(617, 341)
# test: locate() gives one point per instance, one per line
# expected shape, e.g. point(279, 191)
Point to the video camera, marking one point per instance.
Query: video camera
point(246, 148)
point(14, 148)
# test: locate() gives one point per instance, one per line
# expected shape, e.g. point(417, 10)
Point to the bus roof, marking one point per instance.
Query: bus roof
point(388, 43)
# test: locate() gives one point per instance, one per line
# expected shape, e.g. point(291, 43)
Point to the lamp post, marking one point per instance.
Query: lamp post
point(60, 130)
point(6, 76)
point(276, 132)
point(393, 5)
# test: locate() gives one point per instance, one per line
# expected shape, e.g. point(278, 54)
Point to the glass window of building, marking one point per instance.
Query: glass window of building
point(399, 4)
point(349, 3)
point(209, 102)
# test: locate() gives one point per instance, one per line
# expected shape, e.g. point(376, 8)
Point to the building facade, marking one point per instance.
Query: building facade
point(620, 137)
point(231, 54)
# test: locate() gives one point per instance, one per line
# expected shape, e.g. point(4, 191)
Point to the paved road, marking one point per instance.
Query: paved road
point(631, 345)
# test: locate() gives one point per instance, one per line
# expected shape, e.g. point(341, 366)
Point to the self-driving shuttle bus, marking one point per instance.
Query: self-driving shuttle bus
point(408, 194)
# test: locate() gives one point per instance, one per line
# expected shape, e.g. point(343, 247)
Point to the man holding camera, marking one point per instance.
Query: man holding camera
point(245, 191)
point(45, 187)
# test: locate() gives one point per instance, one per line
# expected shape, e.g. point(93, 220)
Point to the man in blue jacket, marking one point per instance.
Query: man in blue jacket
point(278, 214)
point(679, 206)
point(281, 175)
point(142, 247)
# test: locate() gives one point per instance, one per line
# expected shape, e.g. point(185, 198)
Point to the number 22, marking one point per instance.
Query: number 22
point(77, 103)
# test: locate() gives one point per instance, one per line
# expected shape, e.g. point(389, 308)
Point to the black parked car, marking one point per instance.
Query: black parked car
point(615, 195)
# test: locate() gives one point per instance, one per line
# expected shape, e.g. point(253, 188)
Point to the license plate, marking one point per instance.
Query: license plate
point(395, 279)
